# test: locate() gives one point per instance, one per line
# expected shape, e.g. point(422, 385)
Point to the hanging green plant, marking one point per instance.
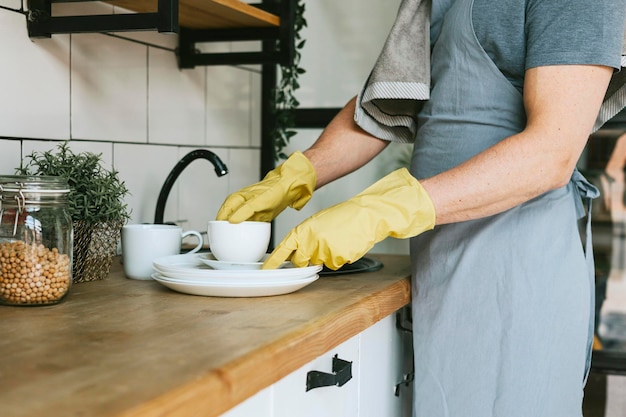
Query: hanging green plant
point(284, 99)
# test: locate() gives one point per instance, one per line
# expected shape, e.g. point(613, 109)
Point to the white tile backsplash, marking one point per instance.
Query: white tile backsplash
point(109, 89)
point(246, 165)
point(343, 40)
point(130, 102)
point(144, 169)
point(176, 101)
point(34, 82)
point(12, 4)
point(9, 157)
point(229, 93)
point(255, 110)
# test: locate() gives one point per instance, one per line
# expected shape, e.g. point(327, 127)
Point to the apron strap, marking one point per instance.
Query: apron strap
point(587, 192)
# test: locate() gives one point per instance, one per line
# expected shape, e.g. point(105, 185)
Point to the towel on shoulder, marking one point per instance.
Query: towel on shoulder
point(397, 87)
point(615, 98)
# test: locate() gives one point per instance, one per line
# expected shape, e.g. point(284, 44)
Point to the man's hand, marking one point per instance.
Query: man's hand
point(396, 206)
point(290, 184)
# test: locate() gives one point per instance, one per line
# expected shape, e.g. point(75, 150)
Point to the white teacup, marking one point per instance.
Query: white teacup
point(239, 242)
point(142, 243)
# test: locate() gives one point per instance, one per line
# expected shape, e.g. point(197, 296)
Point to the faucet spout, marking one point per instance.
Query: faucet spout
point(220, 170)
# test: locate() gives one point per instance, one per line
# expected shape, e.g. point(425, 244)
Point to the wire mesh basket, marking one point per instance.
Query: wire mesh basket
point(95, 245)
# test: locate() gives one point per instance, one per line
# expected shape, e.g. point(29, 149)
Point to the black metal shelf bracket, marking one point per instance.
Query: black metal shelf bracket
point(189, 56)
point(41, 24)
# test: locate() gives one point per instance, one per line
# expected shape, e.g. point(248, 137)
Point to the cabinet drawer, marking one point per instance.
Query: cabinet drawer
point(380, 357)
point(259, 405)
point(292, 398)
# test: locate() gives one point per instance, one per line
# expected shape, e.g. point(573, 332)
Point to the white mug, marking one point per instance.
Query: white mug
point(142, 243)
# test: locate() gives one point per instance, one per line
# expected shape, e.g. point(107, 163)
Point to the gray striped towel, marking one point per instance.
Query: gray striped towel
point(387, 105)
point(615, 98)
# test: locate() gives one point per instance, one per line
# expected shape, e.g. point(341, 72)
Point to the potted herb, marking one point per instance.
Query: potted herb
point(95, 203)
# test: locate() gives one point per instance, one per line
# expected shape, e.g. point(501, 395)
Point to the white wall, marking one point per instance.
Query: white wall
point(130, 102)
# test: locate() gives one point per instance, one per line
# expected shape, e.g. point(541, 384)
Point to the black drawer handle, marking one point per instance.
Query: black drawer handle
point(342, 373)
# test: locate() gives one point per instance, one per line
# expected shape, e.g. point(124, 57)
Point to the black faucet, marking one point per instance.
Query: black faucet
point(220, 170)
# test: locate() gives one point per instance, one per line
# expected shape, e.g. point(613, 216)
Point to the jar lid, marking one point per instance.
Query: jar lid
point(33, 183)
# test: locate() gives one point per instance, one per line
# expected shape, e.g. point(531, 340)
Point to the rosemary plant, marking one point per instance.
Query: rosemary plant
point(96, 194)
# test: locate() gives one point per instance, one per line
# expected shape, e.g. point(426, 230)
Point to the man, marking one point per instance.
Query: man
point(503, 287)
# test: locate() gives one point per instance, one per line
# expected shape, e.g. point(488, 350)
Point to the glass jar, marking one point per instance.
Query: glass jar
point(36, 240)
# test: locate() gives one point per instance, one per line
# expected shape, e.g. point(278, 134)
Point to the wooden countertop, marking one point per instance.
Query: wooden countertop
point(120, 347)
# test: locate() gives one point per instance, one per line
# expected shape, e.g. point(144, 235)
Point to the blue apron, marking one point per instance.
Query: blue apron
point(502, 306)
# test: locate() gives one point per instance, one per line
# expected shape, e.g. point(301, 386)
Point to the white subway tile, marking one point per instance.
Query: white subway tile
point(255, 110)
point(10, 156)
point(144, 168)
point(245, 168)
point(229, 92)
point(34, 81)
point(176, 101)
point(13, 4)
point(109, 89)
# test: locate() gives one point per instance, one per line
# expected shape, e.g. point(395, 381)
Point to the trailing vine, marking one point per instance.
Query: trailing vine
point(283, 97)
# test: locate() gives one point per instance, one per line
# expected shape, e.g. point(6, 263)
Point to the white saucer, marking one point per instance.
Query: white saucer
point(210, 260)
point(260, 289)
point(191, 268)
point(229, 283)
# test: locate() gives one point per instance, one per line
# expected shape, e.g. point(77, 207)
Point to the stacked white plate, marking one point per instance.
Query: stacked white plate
point(202, 274)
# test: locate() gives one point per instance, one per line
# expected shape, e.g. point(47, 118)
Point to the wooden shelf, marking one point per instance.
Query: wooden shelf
point(195, 21)
point(209, 14)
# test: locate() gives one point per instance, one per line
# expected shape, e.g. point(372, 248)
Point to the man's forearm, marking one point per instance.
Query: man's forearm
point(343, 147)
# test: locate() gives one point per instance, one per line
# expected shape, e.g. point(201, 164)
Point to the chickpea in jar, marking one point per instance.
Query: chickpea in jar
point(32, 274)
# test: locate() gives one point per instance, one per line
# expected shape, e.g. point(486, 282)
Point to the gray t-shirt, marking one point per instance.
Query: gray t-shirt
point(519, 35)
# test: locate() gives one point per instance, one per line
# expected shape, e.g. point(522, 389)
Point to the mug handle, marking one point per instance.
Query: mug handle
point(198, 236)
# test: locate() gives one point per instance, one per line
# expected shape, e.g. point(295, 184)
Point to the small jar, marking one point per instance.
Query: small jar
point(36, 240)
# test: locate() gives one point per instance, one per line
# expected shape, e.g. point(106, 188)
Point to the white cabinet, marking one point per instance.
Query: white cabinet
point(385, 357)
point(292, 398)
point(259, 405)
point(380, 358)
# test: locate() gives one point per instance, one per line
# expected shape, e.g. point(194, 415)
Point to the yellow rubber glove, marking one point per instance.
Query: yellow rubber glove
point(397, 206)
point(290, 184)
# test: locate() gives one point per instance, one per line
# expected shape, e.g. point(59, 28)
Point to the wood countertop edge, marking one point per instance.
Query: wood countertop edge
point(225, 387)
